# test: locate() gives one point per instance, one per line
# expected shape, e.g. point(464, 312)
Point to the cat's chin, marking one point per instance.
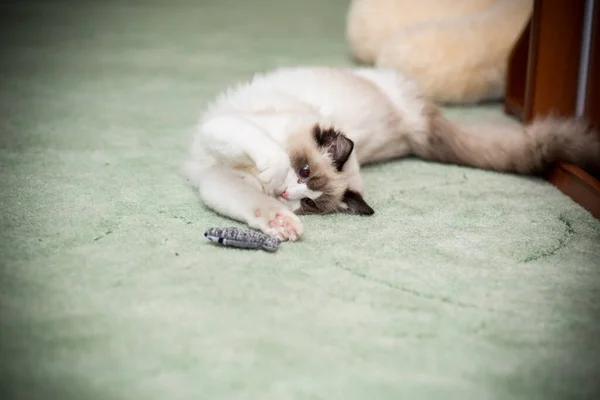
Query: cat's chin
point(292, 205)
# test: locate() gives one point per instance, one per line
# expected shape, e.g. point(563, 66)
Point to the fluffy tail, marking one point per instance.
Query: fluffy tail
point(529, 149)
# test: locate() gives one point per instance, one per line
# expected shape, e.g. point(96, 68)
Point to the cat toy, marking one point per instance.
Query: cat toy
point(242, 238)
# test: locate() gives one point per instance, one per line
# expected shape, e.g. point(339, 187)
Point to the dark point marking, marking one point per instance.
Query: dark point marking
point(337, 145)
point(356, 204)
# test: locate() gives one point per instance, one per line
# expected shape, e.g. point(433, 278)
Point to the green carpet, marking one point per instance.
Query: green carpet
point(464, 285)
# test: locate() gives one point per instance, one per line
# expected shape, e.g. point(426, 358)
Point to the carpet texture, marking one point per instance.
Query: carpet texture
point(464, 285)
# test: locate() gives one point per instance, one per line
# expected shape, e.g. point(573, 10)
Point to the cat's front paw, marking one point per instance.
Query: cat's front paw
point(278, 222)
point(272, 174)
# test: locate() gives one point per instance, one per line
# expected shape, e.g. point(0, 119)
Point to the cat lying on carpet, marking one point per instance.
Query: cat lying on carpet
point(291, 142)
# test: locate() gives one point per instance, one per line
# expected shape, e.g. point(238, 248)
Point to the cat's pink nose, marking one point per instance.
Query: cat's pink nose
point(285, 195)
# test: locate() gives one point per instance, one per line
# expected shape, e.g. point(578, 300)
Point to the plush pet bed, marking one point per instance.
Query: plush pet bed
point(457, 50)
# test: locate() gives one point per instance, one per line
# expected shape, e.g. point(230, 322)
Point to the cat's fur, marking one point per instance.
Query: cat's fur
point(252, 146)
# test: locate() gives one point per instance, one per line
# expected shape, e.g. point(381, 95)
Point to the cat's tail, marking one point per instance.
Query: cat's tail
point(528, 149)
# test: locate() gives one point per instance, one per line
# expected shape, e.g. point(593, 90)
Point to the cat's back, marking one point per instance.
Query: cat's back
point(363, 103)
point(265, 92)
point(283, 89)
point(322, 87)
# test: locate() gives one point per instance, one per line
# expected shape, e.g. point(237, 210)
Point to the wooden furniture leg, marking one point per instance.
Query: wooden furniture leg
point(545, 76)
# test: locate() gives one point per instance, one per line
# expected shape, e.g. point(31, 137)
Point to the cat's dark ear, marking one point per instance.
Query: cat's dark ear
point(336, 144)
point(356, 204)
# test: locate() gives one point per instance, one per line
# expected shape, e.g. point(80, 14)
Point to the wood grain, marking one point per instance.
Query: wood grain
point(580, 186)
point(553, 67)
point(516, 75)
point(592, 98)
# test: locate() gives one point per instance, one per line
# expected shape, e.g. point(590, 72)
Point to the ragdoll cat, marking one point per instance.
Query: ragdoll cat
point(291, 141)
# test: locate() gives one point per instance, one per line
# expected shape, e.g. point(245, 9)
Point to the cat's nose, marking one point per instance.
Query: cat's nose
point(285, 195)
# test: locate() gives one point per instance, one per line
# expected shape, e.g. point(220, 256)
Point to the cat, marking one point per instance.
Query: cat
point(291, 142)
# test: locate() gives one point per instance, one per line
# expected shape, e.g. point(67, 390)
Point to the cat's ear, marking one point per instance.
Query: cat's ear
point(336, 144)
point(356, 204)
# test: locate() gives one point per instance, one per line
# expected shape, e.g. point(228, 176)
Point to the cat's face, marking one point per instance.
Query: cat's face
point(325, 174)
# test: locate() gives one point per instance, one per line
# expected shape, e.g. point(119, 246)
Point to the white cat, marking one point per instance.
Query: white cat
point(291, 141)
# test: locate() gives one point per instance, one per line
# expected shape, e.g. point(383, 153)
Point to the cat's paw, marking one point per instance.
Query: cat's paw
point(278, 222)
point(273, 174)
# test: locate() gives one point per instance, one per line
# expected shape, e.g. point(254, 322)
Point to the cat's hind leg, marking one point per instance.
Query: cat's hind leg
point(238, 195)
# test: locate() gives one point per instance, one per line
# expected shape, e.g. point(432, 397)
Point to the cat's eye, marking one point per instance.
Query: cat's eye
point(308, 202)
point(304, 172)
